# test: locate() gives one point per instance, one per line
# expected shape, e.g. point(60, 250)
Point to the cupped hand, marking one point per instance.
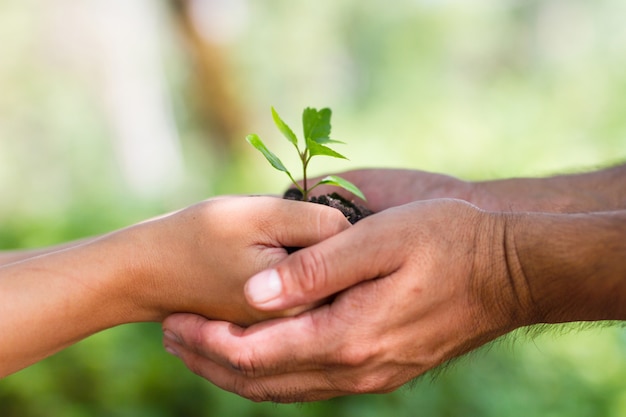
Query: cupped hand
point(385, 188)
point(574, 193)
point(420, 284)
point(198, 259)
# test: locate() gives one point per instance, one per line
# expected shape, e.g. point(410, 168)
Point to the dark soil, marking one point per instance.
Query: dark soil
point(353, 212)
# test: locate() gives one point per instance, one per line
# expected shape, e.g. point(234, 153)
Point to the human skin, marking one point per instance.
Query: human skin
point(10, 256)
point(582, 192)
point(420, 284)
point(385, 188)
point(195, 260)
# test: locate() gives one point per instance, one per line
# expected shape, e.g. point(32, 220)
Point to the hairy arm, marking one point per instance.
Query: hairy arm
point(601, 190)
point(568, 268)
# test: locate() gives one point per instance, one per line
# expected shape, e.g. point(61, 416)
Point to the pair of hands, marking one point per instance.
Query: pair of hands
point(412, 290)
point(402, 291)
point(427, 278)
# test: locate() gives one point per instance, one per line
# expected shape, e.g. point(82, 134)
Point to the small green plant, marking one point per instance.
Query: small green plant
point(316, 129)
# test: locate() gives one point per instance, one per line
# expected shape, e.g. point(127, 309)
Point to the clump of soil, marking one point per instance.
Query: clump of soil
point(353, 212)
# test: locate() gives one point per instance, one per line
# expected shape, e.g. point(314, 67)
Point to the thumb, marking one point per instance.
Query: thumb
point(304, 224)
point(316, 272)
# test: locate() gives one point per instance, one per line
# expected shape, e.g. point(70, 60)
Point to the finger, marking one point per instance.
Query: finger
point(205, 346)
point(286, 384)
point(303, 224)
point(284, 388)
point(316, 272)
point(255, 352)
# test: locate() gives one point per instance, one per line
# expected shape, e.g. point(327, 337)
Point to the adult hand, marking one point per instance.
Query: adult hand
point(385, 188)
point(601, 190)
point(424, 283)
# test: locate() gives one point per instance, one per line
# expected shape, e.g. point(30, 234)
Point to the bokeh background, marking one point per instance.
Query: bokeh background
point(112, 111)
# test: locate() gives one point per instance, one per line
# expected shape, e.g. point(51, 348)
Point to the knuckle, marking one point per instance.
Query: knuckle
point(365, 373)
point(197, 341)
point(330, 222)
point(258, 392)
point(243, 362)
point(372, 384)
point(251, 391)
point(356, 355)
point(310, 272)
point(367, 382)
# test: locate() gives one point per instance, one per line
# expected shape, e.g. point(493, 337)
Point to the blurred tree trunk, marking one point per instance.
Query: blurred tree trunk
point(212, 92)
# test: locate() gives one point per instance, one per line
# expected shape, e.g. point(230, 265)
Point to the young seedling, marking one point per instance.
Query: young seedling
point(316, 129)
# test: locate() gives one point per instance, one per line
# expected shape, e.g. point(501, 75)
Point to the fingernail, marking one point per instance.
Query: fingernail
point(172, 351)
point(264, 287)
point(169, 339)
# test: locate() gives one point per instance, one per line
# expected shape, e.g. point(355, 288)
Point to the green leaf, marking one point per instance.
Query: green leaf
point(255, 141)
point(316, 124)
point(284, 128)
point(345, 184)
point(318, 149)
point(322, 141)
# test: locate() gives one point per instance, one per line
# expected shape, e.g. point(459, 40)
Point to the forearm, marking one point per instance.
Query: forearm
point(10, 256)
point(50, 302)
point(602, 190)
point(568, 267)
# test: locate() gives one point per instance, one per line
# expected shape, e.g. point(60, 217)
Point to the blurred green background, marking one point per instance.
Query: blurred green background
point(112, 111)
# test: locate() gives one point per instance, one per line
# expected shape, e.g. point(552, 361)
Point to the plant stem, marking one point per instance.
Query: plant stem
point(305, 188)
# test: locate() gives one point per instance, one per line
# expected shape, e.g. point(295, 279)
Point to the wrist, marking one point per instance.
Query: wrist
point(499, 283)
point(111, 270)
point(571, 264)
point(132, 278)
